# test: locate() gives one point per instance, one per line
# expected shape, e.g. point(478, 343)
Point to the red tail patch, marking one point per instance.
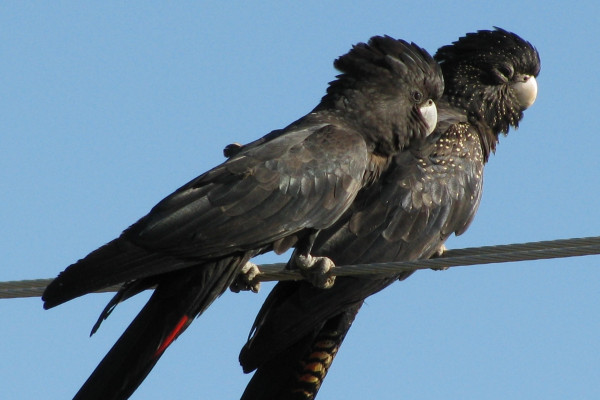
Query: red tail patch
point(181, 325)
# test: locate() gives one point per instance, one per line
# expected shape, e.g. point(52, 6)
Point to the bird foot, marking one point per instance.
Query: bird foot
point(439, 252)
point(316, 270)
point(232, 149)
point(245, 281)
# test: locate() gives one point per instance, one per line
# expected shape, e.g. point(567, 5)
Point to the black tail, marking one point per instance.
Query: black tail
point(298, 372)
point(178, 298)
point(295, 309)
point(297, 334)
point(116, 262)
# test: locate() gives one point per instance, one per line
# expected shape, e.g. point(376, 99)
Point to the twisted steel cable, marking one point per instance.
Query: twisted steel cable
point(452, 258)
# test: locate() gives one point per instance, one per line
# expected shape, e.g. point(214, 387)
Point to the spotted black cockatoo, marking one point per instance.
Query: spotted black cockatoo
point(431, 190)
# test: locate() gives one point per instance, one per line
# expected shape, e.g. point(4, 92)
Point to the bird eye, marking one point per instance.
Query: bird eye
point(504, 72)
point(417, 96)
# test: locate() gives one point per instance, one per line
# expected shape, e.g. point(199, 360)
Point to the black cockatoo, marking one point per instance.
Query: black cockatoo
point(431, 190)
point(274, 194)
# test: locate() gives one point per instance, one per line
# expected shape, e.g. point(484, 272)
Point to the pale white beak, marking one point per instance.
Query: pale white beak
point(526, 91)
point(429, 113)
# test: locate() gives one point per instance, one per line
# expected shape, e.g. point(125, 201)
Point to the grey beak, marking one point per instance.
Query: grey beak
point(429, 113)
point(526, 91)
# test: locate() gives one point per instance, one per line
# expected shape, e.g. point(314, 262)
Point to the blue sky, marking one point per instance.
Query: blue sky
point(107, 108)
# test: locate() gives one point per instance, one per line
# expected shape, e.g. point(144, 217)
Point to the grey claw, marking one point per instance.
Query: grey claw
point(245, 281)
point(316, 270)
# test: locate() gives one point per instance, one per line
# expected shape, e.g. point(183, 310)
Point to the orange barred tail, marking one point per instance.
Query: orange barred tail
point(314, 367)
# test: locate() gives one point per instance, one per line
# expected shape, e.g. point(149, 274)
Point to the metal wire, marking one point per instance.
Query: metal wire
point(452, 258)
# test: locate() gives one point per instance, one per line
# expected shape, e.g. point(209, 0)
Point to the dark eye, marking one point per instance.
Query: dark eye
point(416, 96)
point(504, 72)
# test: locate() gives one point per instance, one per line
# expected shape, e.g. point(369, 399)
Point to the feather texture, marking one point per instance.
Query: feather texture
point(276, 192)
point(431, 190)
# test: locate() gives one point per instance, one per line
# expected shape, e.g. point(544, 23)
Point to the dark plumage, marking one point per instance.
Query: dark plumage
point(273, 194)
point(431, 190)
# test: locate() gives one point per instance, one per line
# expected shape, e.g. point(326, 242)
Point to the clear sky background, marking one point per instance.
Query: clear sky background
point(107, 108)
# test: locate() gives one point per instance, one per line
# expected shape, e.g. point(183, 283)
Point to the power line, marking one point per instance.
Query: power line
point(452, 258)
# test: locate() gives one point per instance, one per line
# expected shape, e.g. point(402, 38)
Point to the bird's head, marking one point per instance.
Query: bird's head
point(491, 74)
point(390, 86)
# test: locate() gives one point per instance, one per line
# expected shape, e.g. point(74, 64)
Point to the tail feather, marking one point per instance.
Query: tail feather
point(116, 262)
point(295, 309)
point(299, 371)
point(177, 300)
point(127, 291)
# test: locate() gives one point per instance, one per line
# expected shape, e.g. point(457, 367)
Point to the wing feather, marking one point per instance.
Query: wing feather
point(260, 195)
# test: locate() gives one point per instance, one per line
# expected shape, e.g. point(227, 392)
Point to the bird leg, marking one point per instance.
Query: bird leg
point(438, 253)
point(246, 279)
point(316, 270)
